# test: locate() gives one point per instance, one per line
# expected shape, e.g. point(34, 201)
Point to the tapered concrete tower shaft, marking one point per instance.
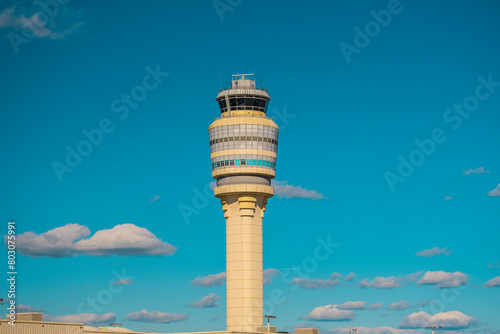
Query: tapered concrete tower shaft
point(243, 146)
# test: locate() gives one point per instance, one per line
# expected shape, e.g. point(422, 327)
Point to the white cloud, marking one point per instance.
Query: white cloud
point(478, 170)
point(375, 306)
point(269, 274)
point(443, 279)
point(398, 306)
point(330, 313)
point(449, 320)
point(350, 277)
point(448, 198)
point(380, 282)
point(493, 283)
point(426, 302)
point(30, 20)
point(210, 280)
point(33, 23)
point(124, 281)
point(495, 192)
point(220, 278)
point(156, 317)
point(207, 301)
point(390, 282)
point(311, 284)
point(434, 252)
point(284, 190)
point(358, 305)
point(86, 318)
point(375, 330)
point(154, 199)
point(71, 240)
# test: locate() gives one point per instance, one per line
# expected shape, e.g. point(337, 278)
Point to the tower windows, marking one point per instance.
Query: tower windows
point(243, 136)
point(244, 161)
point(243, 102)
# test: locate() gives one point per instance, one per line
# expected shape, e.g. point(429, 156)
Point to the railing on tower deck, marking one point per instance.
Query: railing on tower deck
point(260, 116)
point(257, 88)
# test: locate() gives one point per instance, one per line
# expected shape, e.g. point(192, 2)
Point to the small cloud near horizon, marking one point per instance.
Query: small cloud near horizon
point(449, 320)
point(85, 318)
point(155, 317)
point(478, 170)
point(399, 306)
point(359, 305)
point(124, 281)
point(269, 274)
point(207, 301)
point(330, 313)
point(313, 284)
point(350, 277)
point(390, 282)
point(495, 192)
point(442, 279)
point(434, 252)
point(210, 280)
point(493, 283)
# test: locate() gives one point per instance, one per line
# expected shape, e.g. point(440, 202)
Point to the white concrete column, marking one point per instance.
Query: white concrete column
point(244, 213)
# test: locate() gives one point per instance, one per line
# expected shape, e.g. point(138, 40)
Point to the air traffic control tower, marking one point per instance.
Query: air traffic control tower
point(243, 146)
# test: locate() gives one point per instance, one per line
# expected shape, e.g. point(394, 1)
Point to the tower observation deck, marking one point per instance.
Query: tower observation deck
point(243, 147)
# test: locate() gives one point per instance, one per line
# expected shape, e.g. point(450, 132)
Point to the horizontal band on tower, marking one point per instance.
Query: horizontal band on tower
point(243, 120)
point(268, 191)
point(255, 170)
point(248, 151)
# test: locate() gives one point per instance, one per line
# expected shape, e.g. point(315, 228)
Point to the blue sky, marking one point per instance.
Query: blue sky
point(389, 146)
